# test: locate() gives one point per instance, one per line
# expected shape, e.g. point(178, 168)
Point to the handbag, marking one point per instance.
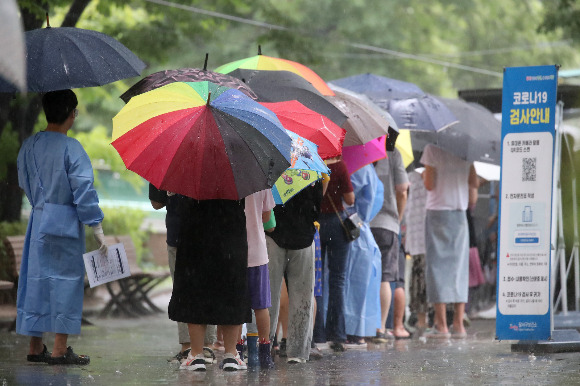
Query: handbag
point(351, 224)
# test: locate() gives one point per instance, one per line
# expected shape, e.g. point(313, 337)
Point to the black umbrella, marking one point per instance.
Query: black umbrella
point(161, 78)
point(282, 86)
point(379, 88)
point(477, 136)
point(68, 57)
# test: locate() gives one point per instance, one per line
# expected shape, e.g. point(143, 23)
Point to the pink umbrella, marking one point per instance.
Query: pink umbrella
point(357, 156)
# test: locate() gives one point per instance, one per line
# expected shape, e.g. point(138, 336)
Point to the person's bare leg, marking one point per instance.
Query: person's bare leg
point(385, 295)
point(441, 317)
point(197, 337)
point(230, 333)
point(421, 320)
point(263, 323)
point(59, 348)
point(283, 316)
point(399, 329)
point(36, 345)
point(459, 309)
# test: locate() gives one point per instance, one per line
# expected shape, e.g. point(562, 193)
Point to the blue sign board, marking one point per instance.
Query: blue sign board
point(524, 245)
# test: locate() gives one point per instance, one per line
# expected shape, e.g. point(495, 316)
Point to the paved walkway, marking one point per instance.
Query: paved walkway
point(135, 352)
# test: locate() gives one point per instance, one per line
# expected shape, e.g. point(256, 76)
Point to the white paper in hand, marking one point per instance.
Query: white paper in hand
point(103, 269)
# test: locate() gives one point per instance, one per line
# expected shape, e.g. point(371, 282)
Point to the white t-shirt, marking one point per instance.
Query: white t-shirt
point(257, 203)
point(451, 190)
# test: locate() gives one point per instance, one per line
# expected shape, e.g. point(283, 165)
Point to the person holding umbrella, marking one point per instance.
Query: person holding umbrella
point(447, 179)
point(57, 177)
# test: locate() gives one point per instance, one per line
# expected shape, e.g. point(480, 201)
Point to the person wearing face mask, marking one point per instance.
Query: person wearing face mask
point(56, 175)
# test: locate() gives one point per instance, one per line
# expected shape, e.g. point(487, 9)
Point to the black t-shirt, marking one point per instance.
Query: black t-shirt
point(172, 217)
point(295, 219)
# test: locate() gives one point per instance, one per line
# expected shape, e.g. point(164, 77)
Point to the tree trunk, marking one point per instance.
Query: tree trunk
point(22, 113)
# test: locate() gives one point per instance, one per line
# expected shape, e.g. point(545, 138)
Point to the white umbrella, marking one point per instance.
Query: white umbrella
point(13, 58)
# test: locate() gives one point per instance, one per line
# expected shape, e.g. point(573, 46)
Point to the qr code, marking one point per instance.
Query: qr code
point(529, 169)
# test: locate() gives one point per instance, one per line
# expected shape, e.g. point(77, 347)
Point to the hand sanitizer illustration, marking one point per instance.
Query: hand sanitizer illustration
point(527, 214)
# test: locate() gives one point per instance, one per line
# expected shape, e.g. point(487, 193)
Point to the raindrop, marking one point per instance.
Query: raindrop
point(532, 357)
point(118, 372)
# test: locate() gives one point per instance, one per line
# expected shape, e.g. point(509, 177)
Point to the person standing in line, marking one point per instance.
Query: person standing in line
point(385, 228)
point(334, 249)
point(258, 209)
point(363, 280)
point(415, 245)
point(212, 254)
point(447, 179)
point(56, 175)
point(160, 199)
point(291, 252)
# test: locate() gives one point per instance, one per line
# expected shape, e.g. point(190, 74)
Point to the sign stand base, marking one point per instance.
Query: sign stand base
point(562, 341)
point(569, 320)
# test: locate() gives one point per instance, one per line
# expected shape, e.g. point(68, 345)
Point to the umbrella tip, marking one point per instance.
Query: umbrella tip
point(208, 98)
point(47, 21)
point(205, 62)
point(259, 49)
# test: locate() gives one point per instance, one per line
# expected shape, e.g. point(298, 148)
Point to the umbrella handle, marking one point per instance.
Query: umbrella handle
point(208, 96)
point(259, 49)
point(205, 62)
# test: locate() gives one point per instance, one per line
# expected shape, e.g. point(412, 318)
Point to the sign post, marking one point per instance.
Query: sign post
point(524, 247)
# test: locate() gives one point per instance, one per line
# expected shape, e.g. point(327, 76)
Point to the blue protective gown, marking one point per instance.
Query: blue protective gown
point(363, 273)
point(54, 169)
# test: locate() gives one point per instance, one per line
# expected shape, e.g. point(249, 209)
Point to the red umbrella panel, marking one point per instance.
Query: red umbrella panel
point(311, 125)
point(202, 140)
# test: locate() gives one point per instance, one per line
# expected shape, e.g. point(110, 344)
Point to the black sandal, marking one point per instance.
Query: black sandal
point(42, 357)
point(70, 358)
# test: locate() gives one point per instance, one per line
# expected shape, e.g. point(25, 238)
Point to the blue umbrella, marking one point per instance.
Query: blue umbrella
point(68, 57)
point(379, 87)
point(305, 168)
point(424, 113)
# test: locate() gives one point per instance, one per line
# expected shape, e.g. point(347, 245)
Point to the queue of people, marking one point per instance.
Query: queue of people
point(230, 259)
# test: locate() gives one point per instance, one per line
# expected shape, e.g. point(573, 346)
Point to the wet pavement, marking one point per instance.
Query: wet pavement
point(135, 352)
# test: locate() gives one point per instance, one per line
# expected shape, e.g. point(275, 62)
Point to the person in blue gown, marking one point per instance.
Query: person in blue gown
point(56, 175)
point(363, 273)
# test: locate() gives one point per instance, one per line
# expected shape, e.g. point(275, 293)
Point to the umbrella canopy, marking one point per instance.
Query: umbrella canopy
point(202, 140)
point(476, 137)
point(309, 124)
point(280, 86)
point(306, 168)
point(357, 156)
point(68, 57)
point(366, 121)
point(379, 87)
point(13, 58)
point(161, 78)
point(425, 113)
point(269, 63)
point(405, 147)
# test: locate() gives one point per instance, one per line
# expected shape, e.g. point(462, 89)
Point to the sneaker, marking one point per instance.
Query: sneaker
point(209, 355)
point(233, 363)
point(193, 363)
point(315, 352)
point(296, 360)
point(264, 352)
point(179, 357)
point(282, 349)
